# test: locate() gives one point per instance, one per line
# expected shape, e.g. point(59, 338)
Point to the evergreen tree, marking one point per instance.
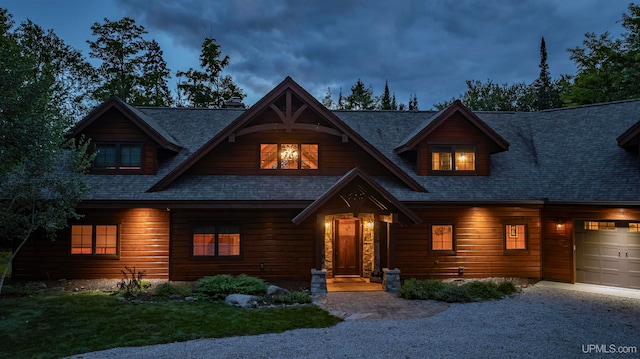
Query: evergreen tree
point(385, 99)
point(154, 84)
point(340, 100)
point(413, 102)
point(209, 87)
point(394, 104)
point(361, 97)
point(547, 94)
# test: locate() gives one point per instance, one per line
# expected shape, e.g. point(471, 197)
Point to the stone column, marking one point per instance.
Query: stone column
point(318, 281)
point(391, 279)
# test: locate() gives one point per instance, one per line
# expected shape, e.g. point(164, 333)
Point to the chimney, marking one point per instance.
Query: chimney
point(234, 102)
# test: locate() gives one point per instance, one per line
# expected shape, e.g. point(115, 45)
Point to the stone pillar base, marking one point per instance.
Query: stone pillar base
point(318, 281)
point(391, 279)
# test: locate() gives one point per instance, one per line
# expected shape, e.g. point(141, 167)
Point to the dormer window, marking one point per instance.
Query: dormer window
point(118, 156)
point(453, 158)
point(288, 156)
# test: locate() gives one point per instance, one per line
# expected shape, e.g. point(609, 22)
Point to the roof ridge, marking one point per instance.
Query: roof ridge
point(599, 104)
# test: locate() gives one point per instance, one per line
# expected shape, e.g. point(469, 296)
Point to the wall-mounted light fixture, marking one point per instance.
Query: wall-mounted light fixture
point(369, 224)
point(559, 224)
point(326, 224)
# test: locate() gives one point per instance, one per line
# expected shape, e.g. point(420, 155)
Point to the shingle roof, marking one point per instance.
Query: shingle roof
point(568, 154)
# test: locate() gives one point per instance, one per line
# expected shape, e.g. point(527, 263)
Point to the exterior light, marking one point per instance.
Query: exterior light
point(369, 224)
point(326, 224)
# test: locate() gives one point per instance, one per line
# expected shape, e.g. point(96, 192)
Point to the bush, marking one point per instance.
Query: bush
point(454, 294)
point(293, 298)
point(168, 290)
point(132, 285)
point(420, 289)
point(507, 287)
point(451, 293)
point(220, 286)
point(483, 290)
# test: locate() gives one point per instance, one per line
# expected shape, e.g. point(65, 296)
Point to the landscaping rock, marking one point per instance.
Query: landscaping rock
point(274, 290)
point(242, 300)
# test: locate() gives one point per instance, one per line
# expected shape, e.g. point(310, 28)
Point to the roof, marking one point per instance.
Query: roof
point(146, 123)
point(563, 155)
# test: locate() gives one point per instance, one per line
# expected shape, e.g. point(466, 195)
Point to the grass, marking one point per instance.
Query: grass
point(64, 324)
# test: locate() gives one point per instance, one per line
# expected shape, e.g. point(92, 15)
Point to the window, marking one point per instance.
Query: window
point(634, 227)
point(442, 237)
point(515, 237)
point(220, 241)
point(94, 239)
point(118, 156)
point(288, 156)
point(600, 226)
point(453, 158)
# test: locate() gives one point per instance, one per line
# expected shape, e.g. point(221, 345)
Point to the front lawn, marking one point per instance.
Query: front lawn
point(63, 324)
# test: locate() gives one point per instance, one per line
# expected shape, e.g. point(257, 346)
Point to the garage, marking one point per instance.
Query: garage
point(608, 253)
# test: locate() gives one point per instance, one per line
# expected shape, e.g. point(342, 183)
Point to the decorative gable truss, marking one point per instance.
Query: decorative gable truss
point(454, 141)
point(126, 139)
point(278, 115)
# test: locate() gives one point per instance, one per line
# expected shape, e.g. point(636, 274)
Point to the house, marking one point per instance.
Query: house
point(288, 188)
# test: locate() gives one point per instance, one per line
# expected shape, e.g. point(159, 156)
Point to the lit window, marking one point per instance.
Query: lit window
point(634, 227)
point(599, 226)
point(515, 236)
point(442, 237)
point(309, 159)
point(288, 156)
point(453, 158)
point(216, 241)
point(118, 157)
point(94, 239)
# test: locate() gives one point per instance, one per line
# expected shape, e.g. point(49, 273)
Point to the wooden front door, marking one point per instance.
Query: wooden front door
point(347, 247)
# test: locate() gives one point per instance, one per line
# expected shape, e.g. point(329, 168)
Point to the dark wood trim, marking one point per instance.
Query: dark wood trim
point(287, 86)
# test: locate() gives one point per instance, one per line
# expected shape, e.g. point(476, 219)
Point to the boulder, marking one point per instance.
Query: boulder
point(274, 290)
point(242, 300)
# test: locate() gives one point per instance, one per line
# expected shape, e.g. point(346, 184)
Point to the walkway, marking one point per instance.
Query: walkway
point(377, 305)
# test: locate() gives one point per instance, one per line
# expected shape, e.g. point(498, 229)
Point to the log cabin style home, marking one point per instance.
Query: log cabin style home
point(288, 189)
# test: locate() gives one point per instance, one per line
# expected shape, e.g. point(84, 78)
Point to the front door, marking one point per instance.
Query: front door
point(347, 247)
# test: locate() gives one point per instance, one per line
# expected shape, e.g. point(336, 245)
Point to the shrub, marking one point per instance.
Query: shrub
point(507, 287)
point(483, 290)
point(420, 289)
point(168, 290)
point(219, 286)
point(454, 294)
point(293, 298)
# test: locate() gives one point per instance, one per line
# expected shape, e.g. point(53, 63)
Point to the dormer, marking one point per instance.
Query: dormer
point(453, 142)
point(124, 139)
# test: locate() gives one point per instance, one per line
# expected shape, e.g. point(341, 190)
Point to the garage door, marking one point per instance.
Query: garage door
point(608, 253)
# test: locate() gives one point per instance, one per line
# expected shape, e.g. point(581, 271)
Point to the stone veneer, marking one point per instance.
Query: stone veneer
point(318, 281)
point(391, 280)
point(369, 242)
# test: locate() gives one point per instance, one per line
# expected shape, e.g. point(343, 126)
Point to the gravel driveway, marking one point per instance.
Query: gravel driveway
point(541, 322)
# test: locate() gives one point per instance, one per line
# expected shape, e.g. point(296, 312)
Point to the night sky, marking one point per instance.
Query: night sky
point(424, 47)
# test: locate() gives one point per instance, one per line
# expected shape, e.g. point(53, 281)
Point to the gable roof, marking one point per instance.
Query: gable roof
point(287, 85)
point(631, 137)
point(137, 117)
point(430, 124)
point(350, 177)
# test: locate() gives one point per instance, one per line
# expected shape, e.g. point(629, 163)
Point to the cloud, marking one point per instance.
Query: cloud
point(424, 47)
